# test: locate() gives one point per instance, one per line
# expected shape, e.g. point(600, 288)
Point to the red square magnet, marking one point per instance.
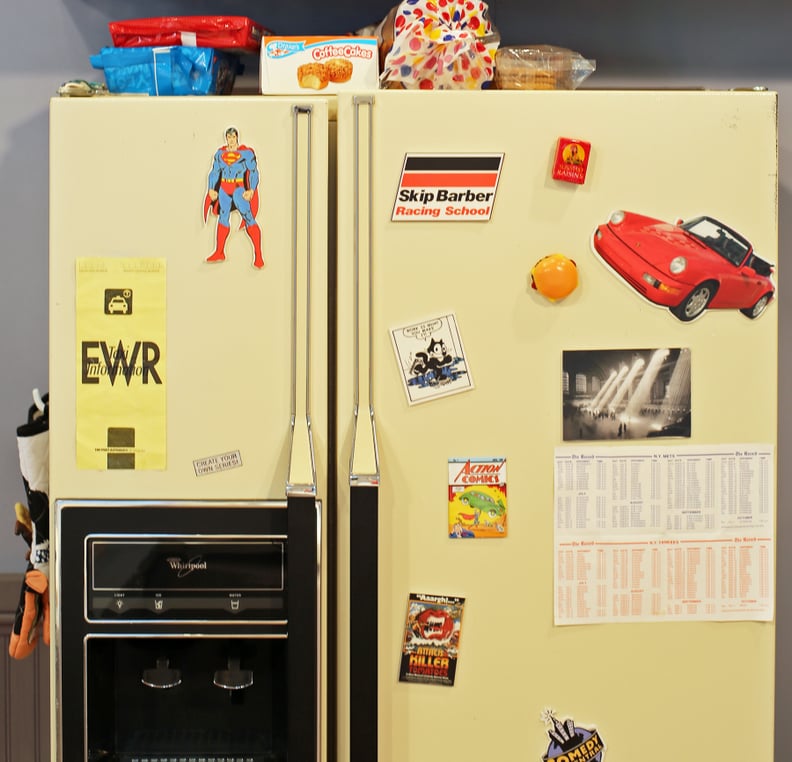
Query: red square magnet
point(571, 160)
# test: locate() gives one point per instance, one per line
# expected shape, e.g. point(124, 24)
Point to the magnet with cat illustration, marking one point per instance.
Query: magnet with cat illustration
point(431, 359)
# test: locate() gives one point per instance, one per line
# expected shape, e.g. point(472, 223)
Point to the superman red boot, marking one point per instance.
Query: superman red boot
point(219, 253)
point(254, 232)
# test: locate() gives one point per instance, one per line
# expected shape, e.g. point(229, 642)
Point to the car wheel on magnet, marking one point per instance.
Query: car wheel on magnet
point(696, 301)
point(758, 308)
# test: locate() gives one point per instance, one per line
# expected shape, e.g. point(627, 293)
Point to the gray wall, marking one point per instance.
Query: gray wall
point(675, 43)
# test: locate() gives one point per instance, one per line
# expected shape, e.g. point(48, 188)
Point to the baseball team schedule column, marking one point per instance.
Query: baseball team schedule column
point(649, 533)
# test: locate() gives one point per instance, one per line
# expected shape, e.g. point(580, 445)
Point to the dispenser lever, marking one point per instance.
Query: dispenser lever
point(162, 676)
point(233, 678)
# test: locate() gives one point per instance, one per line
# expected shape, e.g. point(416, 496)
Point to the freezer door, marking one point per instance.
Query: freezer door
point(189, 270)
point(462, 260)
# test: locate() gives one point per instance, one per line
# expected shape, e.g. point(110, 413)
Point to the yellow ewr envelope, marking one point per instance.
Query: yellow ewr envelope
point(121, 363)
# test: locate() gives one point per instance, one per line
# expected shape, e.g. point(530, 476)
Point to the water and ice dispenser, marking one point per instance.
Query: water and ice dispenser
point(187, 632)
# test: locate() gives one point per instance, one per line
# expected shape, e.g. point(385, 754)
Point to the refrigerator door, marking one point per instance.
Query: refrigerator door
point(649, 687)
point(178, 377)
point(188, 323)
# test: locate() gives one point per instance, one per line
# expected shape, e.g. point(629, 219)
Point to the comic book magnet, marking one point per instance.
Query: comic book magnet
point(233, 186)
point(430, 646)
point(431, 358)
point(476, 497)
point(554, 276)
point(570, 742)
point(571, 160)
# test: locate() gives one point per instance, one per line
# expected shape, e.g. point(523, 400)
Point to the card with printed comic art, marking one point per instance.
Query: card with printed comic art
point(431, 358)
point(477, 503)
point(431, 639)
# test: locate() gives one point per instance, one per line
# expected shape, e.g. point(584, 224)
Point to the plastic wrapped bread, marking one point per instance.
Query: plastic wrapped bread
point(540, 67)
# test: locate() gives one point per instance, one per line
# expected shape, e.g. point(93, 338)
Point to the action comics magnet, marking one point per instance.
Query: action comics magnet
point(431, 359)
point(431, 639)
point(477, 497)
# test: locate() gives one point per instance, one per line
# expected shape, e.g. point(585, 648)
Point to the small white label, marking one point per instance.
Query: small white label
point(215, 463)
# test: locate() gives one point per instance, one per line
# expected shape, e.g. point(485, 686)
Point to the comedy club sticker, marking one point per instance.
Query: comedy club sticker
point(570, 742)
point(447, 187)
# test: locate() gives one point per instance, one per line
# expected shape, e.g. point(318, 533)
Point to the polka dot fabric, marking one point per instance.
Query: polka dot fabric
point(441, 45)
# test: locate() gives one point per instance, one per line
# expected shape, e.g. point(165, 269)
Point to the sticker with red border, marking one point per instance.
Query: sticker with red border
point(430, 645)
point(571, 160)
point(447, 187)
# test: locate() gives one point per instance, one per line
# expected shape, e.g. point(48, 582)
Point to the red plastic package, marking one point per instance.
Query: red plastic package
point(234, 33)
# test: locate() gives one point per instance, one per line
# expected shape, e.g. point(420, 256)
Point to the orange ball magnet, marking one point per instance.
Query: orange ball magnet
point(554, 276)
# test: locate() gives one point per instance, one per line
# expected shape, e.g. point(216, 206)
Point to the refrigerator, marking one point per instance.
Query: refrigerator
point(547, 502)
point(189, 358)
point(556, 490)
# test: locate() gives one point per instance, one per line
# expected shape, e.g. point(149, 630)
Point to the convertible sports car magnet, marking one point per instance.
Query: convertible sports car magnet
point(687, 266)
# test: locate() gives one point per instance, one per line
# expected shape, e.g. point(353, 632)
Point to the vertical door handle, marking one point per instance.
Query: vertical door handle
point(364, 476)
point(301, 478)
point(364, 459)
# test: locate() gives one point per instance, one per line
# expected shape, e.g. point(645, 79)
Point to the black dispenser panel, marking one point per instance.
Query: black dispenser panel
point(182, 578)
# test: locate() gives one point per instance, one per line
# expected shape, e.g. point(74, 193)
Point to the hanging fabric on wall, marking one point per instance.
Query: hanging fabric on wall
point(32, 523)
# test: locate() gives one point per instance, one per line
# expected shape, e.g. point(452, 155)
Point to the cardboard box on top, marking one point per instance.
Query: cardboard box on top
point(305, 65)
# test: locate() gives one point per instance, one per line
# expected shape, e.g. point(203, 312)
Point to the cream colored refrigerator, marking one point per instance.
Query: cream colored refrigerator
point(556, 439)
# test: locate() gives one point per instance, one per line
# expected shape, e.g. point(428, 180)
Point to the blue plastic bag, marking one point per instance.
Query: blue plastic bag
point(176, 70)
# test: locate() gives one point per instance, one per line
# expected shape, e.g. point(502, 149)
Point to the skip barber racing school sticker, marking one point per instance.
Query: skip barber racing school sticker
point(447, 187)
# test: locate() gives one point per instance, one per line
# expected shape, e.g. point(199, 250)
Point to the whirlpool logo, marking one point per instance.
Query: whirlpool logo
point(183, 568)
